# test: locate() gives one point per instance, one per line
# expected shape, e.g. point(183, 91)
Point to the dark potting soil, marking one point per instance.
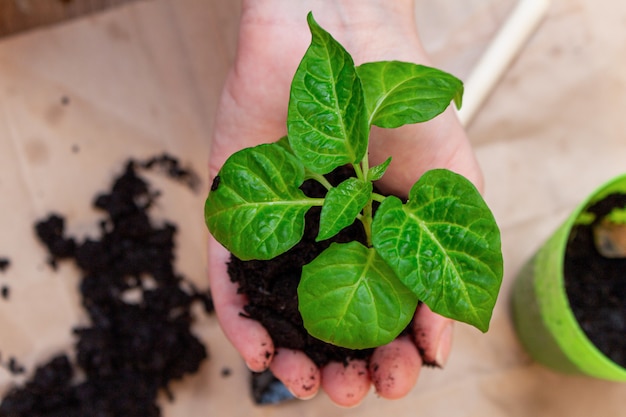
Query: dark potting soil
point(4, 264)
point(4, 289)
point(596, 285)
point(139, 338)
point(271, 286)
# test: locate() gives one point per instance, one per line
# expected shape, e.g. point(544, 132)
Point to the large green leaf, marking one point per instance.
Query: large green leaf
point(326, 121)
point(342, 205)
point(255, 208)
point(348, 296)
point(398, 93)
point(444, 244)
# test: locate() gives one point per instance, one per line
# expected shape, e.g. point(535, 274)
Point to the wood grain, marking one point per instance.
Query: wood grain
point(21, 15)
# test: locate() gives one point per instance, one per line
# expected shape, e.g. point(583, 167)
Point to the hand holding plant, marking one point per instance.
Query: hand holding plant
point(359, 197)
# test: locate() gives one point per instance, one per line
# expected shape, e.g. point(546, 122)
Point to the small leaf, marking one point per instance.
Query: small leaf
point(444, 244)
point(399, 93)
point(348, 296)
point(377, 172)
point(342, 205)
point(257, 210)
point(326, 120)
point(617, 215)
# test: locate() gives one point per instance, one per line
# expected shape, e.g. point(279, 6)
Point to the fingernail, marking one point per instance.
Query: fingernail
point(254, 367)
point(303, 397)
point(443, 346)
point(260, 365)
point(306, 394)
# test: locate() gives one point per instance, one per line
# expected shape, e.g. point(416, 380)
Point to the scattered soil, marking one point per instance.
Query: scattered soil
point(15, 367)
point(139, 338)
point(596, 285)
point(271, 286)
point(12, 365)
point(4, 289)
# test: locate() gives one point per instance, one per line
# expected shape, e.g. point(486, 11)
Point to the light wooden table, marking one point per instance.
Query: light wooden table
point(20, 15)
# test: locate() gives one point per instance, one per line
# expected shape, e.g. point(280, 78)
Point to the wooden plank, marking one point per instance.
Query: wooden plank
point(20, 15)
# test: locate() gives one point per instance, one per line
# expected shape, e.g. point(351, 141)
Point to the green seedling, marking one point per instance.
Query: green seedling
point(441, 246)
point(609, 234)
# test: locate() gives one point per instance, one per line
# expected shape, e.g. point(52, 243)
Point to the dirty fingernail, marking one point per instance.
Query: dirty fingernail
point(303, 397)
point(443, 346)
point(260, 363)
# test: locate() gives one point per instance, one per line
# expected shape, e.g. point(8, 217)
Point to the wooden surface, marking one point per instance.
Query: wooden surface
point(20, 15)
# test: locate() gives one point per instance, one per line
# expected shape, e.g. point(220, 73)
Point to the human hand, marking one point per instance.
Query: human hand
point(253, 110)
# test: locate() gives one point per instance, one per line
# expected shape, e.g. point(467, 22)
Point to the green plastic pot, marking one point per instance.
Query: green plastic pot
point(541, 312)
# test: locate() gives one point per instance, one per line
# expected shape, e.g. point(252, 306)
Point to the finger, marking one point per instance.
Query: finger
point(248, 336)
point(297, 371)
point(433, 335)
point(395, 367)
point(346, 385)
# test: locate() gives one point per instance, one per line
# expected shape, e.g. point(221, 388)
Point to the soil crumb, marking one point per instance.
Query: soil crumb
point(4, 264)
point(135, 345)
point(5, 291)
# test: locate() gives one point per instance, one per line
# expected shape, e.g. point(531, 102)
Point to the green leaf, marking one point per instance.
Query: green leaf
point(348, 296)
point(399, 93)
point(617, 215)
point(326, 121)
point(256, 209)
point(342, 205)
point(284, 143)
point(375, 173)
point(444, 244)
